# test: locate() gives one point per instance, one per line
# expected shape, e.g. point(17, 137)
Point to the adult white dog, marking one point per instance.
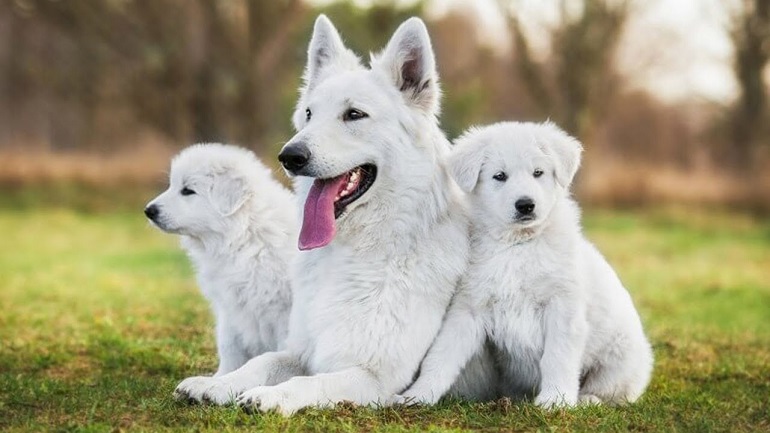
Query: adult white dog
point(239, 227)
point(565, 328)
point(383, 227)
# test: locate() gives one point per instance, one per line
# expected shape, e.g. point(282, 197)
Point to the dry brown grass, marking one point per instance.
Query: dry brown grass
point(600, 182)
point(622, 184)
point(143, 165)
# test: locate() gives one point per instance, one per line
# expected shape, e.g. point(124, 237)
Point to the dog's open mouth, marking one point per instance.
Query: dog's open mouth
point(327, 201)
point(355, 184)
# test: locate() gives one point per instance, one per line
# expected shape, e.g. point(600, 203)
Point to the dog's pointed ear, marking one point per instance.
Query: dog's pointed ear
point(565, 151)
point(228, 193)
point(326, 51)
point(409, 61)
point(465, 163)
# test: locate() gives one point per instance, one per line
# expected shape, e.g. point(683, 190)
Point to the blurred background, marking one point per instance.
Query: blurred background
point(668, 96)
point(100, 314)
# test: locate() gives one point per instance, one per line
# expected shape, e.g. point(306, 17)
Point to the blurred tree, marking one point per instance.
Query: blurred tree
point(574, 85)
point(202, 70)
point(194, 71)
point(365, 29)
point(465, 68)
point(750, 34)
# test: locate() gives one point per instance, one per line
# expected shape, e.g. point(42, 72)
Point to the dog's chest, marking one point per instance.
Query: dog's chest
point(370, 313)
point(513, 287)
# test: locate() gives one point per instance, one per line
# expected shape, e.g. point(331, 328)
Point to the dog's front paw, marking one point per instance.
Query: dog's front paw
point(204, 389)
point(269, 398)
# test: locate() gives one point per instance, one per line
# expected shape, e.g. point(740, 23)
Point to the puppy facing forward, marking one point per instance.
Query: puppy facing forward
point(239, 228)
point(563, 326)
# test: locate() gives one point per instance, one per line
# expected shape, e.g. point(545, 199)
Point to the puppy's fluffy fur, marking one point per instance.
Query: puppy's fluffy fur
point(563, 326)
point(239, 227)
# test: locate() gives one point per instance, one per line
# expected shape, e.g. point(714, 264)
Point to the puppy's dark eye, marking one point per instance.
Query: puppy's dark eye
point(353, 114)
point(186, 191)
point(308, 114)
point(537, 172)
point(500, 176)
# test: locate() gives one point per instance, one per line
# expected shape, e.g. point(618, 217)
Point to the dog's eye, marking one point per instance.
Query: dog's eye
point(537, 172)
point(500, 176)
point(186, 191)
point(308, 114)
point(353, 114)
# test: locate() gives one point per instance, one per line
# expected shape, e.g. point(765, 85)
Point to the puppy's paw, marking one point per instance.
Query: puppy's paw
point(554, 400)
point(416, 396)
point(204, 389)
point(269, 398)
point(588, 399)
point(400, 399)
point(415, 399)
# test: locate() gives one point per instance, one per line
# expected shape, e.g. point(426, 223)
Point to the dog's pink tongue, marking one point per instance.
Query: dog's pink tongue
point(318, 226)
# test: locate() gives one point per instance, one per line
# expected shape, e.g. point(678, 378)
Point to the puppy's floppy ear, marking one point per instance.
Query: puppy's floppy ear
point(228, 193)
point(465, 163)
point(326, 52)
point(565, 151)
point(409, 61)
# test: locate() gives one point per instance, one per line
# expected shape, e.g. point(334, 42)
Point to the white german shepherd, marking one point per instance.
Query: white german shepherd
point(384, 231)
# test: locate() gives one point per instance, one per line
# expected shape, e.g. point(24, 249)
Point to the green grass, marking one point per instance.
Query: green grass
point(100, 318)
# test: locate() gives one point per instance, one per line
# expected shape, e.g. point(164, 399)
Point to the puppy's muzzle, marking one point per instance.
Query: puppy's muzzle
point(525, 210)
point(152, 212)
point(525, 206)
point(294, 157)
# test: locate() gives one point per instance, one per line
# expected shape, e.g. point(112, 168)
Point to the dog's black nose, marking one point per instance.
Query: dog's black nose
point(525, 205)
point(151, 211)
point(294, 156)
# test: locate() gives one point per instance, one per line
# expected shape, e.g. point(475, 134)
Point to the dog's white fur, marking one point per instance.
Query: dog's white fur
point(368, 305)
point(239, 229)
point(564, 327)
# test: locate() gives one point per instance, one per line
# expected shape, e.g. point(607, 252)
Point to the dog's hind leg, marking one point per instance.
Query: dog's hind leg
point(619, 379)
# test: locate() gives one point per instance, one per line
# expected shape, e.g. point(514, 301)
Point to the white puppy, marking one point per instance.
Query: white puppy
point(564, 328)
point(239, 227)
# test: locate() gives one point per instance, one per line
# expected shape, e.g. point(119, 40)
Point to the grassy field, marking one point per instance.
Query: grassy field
point(100, 318)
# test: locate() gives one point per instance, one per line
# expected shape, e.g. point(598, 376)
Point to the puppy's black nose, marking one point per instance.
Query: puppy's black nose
point(525, 205)
point(151, 212)
point(294, 156)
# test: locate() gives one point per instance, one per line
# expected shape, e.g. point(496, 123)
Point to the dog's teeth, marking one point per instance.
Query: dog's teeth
point(351, 185)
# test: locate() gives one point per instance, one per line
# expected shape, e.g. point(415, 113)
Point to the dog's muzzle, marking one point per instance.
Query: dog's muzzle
point(294, 157)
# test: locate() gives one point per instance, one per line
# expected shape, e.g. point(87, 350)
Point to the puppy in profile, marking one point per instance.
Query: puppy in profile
point(564, 328)
point(239, 228)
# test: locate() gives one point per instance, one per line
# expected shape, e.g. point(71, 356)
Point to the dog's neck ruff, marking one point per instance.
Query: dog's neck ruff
point(525, 235)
